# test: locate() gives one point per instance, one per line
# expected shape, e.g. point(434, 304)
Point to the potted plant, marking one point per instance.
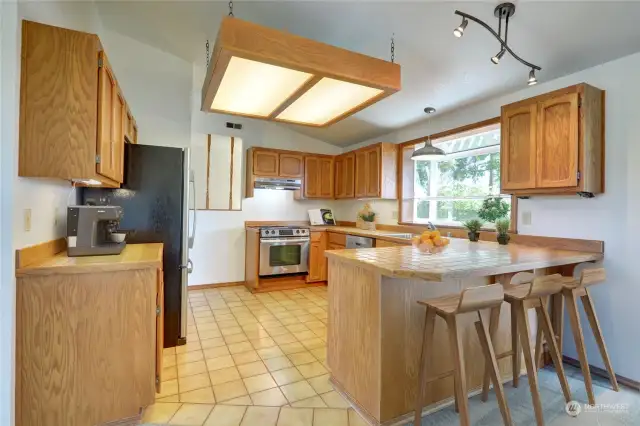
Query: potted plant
point(493, 208)
point(368, 220)
point(502, 227)
point(473, 226)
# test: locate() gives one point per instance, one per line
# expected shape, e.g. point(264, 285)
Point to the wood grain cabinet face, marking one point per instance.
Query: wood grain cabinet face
point(344, 166)
point(518, 150)
point(339, 180)
point(326, 177)
point(317, 260)
point(291, 165)
point(265, 163)
point(361, 174)
point(109, 121)
point(311, 177)
point(373, 172)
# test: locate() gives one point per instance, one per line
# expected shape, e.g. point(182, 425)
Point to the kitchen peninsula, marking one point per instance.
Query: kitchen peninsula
point(375, 325)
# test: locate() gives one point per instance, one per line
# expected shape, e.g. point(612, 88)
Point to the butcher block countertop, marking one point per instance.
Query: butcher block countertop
point(461, 259)
point(134, 256)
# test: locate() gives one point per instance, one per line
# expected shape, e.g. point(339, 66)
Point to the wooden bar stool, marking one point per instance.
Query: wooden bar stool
point(525, 292)
point(574, 288)
point(474, 299)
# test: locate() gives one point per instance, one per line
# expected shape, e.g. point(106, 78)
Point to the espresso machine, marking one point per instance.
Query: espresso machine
point(89, 230)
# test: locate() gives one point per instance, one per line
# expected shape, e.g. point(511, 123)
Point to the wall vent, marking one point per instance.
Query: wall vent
point(231, 125)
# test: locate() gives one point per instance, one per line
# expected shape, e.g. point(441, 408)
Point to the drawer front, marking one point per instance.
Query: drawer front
point(334, 246)
point(316, 236)
point(335, 238)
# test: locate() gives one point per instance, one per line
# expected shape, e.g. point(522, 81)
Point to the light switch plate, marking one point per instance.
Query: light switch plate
point(526, 217)
point(394, 214)
point(27, 220)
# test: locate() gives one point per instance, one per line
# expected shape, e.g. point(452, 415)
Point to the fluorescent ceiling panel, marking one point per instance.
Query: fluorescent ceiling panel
point(327, 100)
point(256, 88)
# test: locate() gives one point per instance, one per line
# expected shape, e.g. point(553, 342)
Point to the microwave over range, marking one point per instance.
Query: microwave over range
point(283, 251)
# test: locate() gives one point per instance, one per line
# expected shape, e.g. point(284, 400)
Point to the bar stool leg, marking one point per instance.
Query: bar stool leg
point(589, 308)
point(557, 305)
point(490, 358)
point(532, 371)
point(578, 337)
point(459, 371)
point(545, 322)
point(427, 341)
point(515, 348)
point(494, 320)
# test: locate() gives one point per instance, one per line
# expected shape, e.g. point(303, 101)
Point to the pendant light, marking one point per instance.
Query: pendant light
point(428, 151)
point(264, 73)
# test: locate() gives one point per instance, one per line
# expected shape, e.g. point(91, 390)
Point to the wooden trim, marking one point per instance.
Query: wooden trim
point(603, 373)
point(209, 167)
point(198, 287)
point(259, 223)
point(307, 85)
point(513, 228)
point(230, 175)
point(445, 133)
point(33, 254)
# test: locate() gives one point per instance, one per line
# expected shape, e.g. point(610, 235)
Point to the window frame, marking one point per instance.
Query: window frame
point(404, 161)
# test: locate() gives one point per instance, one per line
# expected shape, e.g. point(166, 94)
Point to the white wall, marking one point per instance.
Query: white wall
point(613, 217)
point(218, 254)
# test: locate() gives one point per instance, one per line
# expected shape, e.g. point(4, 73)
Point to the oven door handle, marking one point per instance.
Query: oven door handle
point(284, 240)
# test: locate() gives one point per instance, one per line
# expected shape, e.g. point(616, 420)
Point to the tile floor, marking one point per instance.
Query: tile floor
point(251, 360)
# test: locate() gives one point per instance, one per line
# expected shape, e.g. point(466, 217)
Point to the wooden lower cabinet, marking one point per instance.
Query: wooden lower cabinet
point(385, 243)
point(87, 346)
point(317, 260)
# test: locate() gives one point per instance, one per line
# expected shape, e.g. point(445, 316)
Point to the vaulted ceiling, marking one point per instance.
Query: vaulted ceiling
point(437, 69)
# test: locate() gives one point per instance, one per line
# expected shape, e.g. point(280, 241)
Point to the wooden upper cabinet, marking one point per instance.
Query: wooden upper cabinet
point(265, 163)
point(361, 174)
point(375, 171)
point(344, 175)
point(518, 150)
point(110, 123)
point(311, 177)
point(554, 143)
point(291, 165)
point(557, 142)
point(326, 177)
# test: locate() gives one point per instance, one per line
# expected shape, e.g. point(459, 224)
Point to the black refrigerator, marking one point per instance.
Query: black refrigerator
point(158, 199)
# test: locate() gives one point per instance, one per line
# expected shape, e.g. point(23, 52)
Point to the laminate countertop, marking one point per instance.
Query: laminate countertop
point(461, 259)
point(134, 256)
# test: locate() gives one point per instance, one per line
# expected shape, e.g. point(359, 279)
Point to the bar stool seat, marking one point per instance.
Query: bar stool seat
point(474, 299)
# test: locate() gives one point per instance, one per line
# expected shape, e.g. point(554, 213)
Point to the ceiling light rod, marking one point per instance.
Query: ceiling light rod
point(502, 42)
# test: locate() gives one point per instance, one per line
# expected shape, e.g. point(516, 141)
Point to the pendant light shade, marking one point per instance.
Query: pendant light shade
point(428, 152)
point(264, 73)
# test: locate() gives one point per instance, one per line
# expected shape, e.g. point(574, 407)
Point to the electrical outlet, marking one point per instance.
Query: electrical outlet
point(27, 220)
point(526, 217)
point(56, 216)
point(394, 214)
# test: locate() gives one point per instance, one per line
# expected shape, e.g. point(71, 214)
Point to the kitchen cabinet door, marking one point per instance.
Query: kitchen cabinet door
point(361, 174)
point(265, 163)
point(373, 172)
point(349, 175)
point(339, 189)
point(159, 329)
point(317, 260)
point(311, 177)
point(518, 147)
point(291, 165)
point(326, 177)
point(557, 142)
point(109, 122)
point(119, 118)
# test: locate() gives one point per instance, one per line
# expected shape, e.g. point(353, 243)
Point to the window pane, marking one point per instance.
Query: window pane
point(422, 210)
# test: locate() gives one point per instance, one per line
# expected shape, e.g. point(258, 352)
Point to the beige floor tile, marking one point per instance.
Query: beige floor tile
point(289, 321)
point(334, 400)
point(205, 313)
point(197, 381)
point(169, 351)
point(226, 391)
point(252, 369)
point(271, 398)
point(224, 375)
point(192, 368)
point(263, 343)
point(311, 325)
point(319, 353)
point(210, 334)
point(313, 343)
point(189, 347)
point(208, 326)
point(220, 362)
point(321, 384)
point(292, 348)
point(172, 398)
point(160, 412)
point(227, 323)
point(236, 338)
point(297, 391)
point(285, 338)
point(198, 396)
point(259, 383)
point(295, 417)
point(278, 363)
point(169, 373)
point(206, 320)
point(301, 358)
point(313, 369)
point(263, 416)
point(313, 402)
point(212, 343)
point(191, 415)
point(168, 360)
point(231, 330)
point(236, 348)
point(225, 415)
point(192, 337)
point(169, 387)
point(355, 419)
point(267, 353)
point(277, 331)
point(242, 400)
point(305, 335)
point(256, 334)
point(286, 376)
point(216, 352)
point(245, 357)
point(330, 416)
point(297, 328)
point(189, 357)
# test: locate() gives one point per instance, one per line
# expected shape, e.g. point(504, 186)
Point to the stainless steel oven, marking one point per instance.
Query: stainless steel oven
point(283, 251)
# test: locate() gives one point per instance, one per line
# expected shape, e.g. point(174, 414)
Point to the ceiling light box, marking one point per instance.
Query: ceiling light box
point(264, 73)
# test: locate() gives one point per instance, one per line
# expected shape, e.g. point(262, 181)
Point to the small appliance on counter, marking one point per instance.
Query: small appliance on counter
point(93, 230)
point(321, 217)
point(283, 251)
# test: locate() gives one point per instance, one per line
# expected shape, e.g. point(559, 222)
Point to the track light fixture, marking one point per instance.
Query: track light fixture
point(502, 11)
point(459, 32)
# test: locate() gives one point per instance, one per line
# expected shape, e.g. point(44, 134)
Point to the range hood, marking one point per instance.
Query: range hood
point(278, 183)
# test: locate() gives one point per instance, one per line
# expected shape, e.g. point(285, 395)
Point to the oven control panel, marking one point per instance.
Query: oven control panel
point(283, 232)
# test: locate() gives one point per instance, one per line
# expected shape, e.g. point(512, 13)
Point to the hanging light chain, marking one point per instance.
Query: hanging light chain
point(207, 47)
point(230, 7)
point(393, 48)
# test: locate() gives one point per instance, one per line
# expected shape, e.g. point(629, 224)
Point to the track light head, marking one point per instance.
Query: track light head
point(532, 77)
point(459, 32)
point(498, 56)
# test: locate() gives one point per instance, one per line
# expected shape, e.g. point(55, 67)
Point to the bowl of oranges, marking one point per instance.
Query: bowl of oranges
point(430, 242)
